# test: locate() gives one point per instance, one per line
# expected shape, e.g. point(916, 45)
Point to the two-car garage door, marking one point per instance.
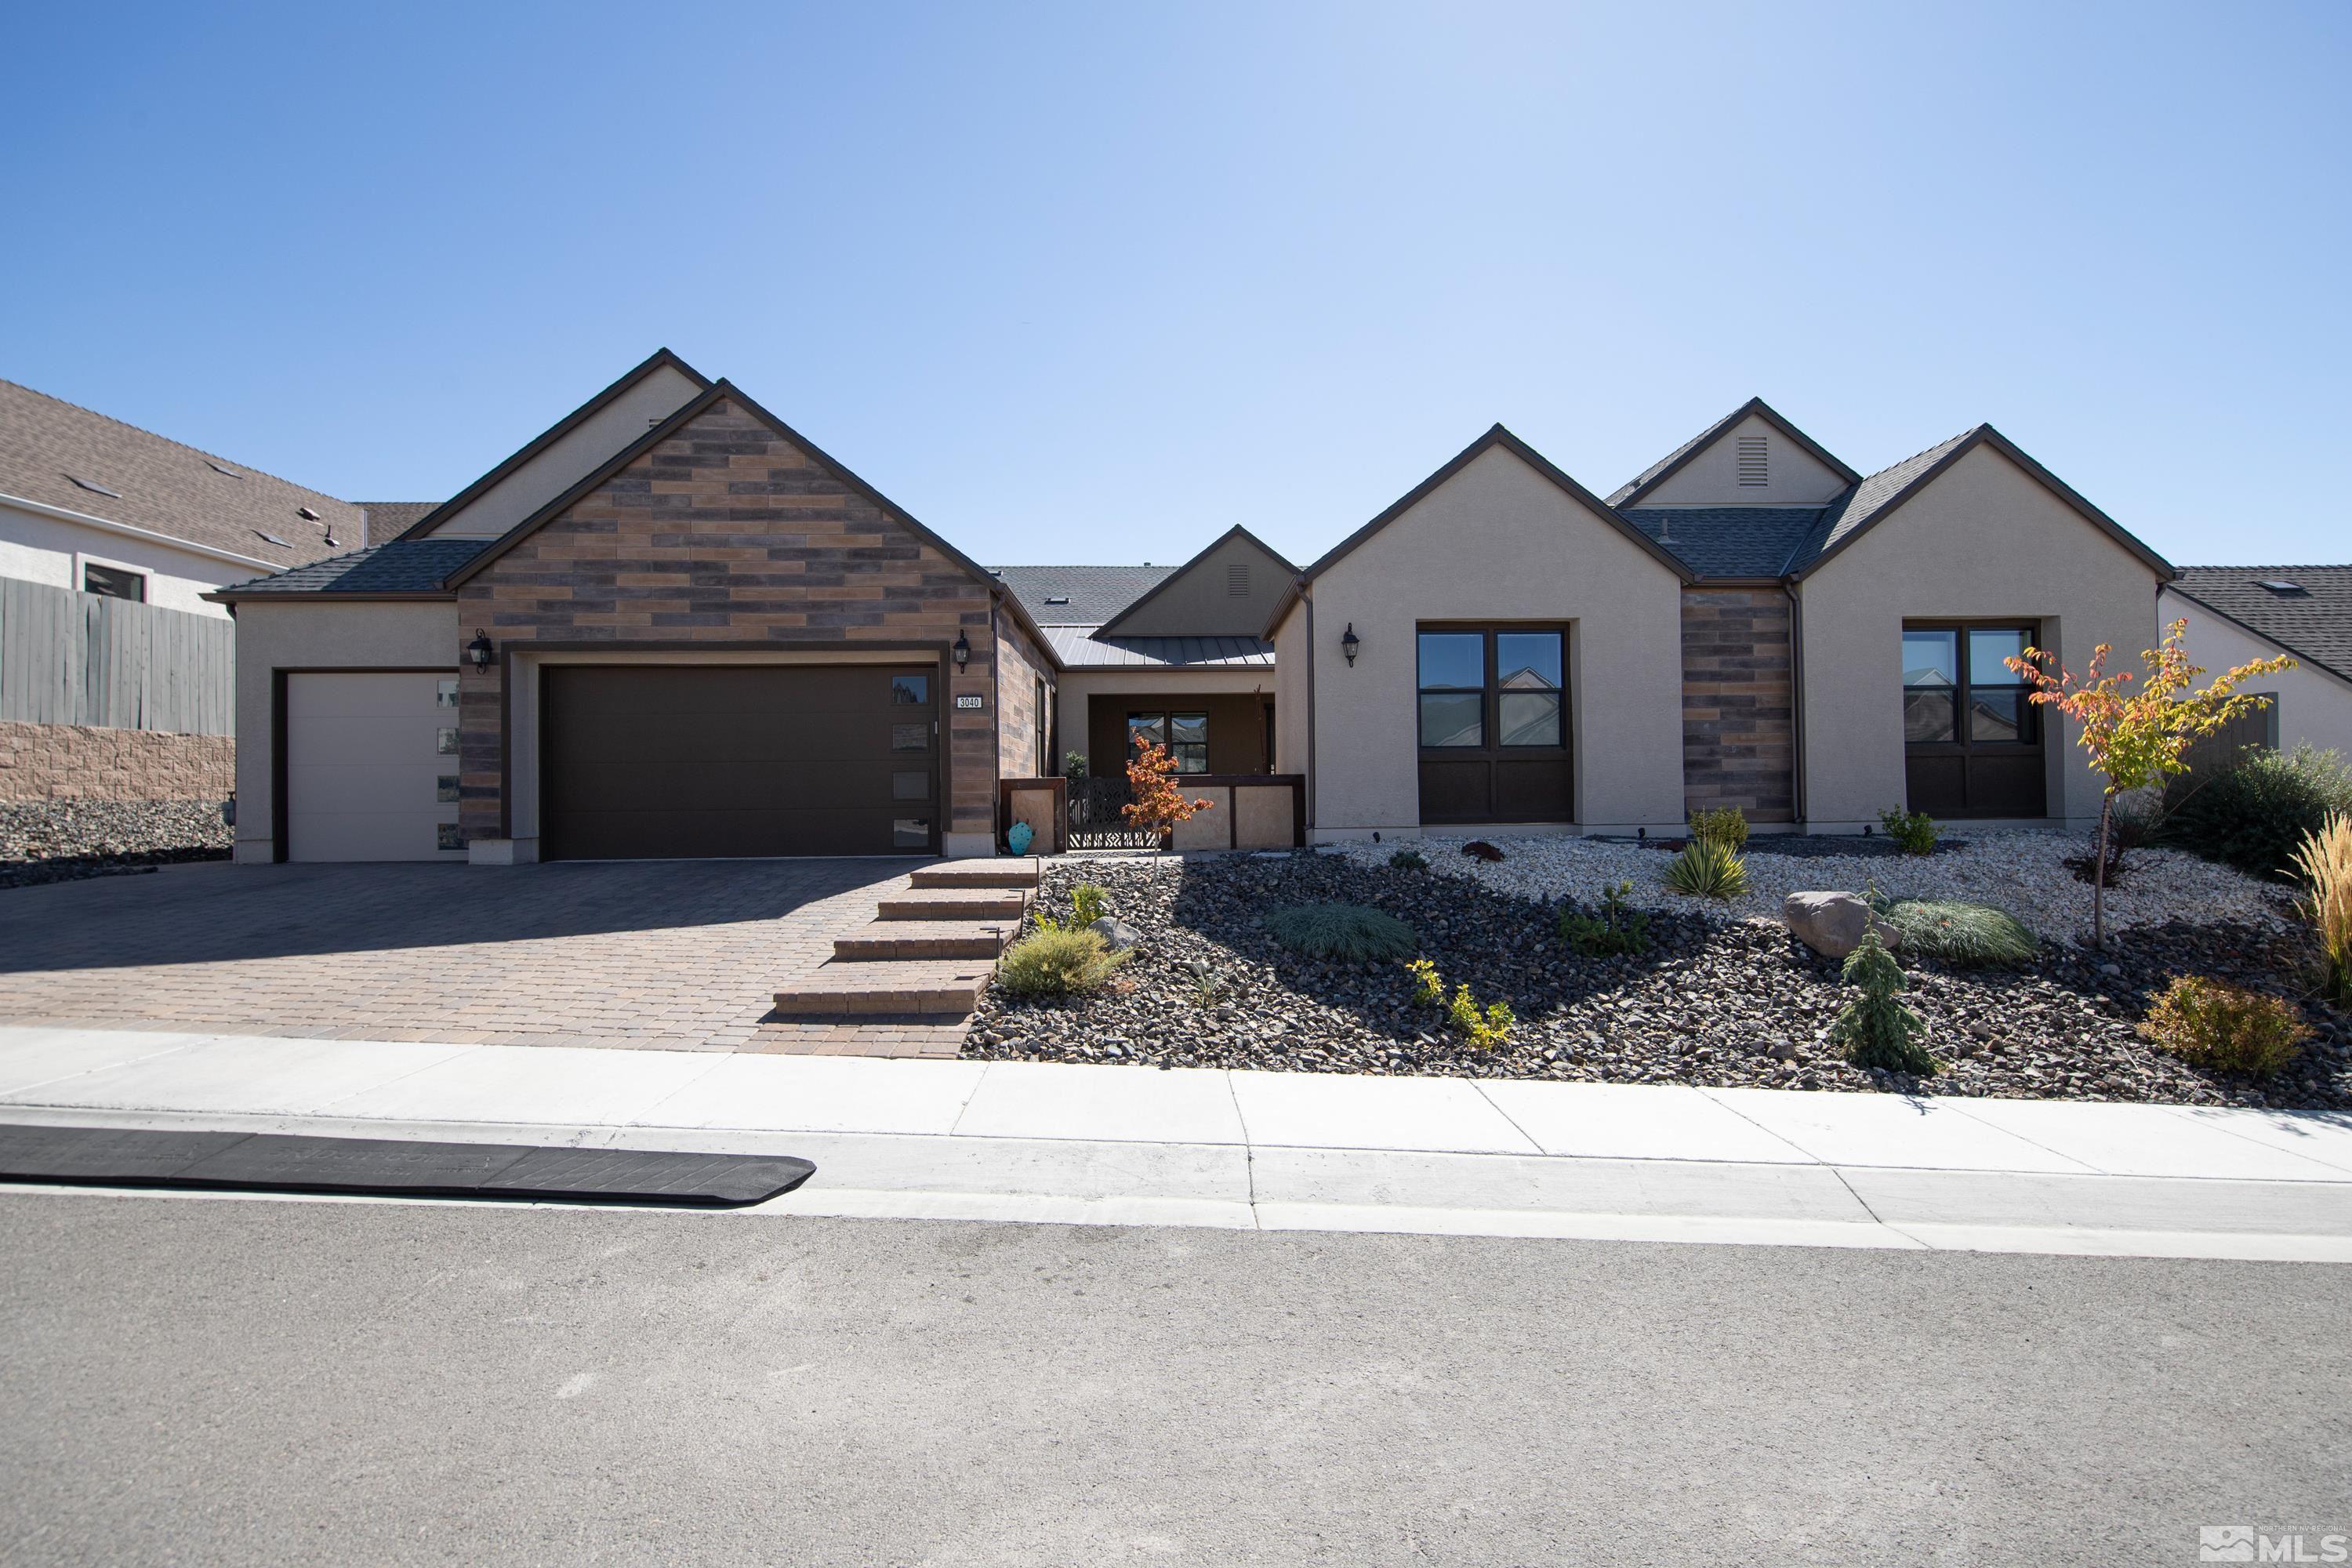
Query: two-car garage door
point(650, 761)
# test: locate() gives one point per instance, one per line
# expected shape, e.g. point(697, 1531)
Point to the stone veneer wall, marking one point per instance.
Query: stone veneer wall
point(76, 762)
point(1738, 725)
point(727, 532)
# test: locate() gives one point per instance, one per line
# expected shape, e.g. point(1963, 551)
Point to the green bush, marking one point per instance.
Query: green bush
point(1088, 902)
point(1481, 1029)
point(1876, 1030)
point(1708, 870)
point(1056, 961)
point(1409, 860)
point(1618, 928)
point(1959, 933)
point(2252, 816)
point(1726, 825)
point(1349, 933)
point(1914, 832)
point(2224, 1028)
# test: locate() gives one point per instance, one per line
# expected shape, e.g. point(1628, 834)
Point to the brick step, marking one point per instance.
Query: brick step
point(924, 939)
point(1005, 871)
point(947, 988)
point(952, 904)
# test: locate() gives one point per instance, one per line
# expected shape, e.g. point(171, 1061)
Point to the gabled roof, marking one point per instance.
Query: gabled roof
point(1665, 468)
point(1236, 532)
point(141, 480)
point(553, 433)
point(1088, 596)
point(388, 520)
point(1719, 542)
point(1885, 492)
point(716, 392)
point(2313, 621)
point(396, 569)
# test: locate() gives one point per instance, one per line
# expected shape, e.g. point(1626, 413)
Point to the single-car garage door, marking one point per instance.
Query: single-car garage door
point(682, 761)
point(371, 766)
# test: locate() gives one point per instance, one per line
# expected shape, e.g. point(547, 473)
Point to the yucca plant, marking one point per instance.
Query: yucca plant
point(1707, 868)
point(2324, 863)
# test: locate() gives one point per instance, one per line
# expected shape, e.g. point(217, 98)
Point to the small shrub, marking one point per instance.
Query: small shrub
point(1959, 933)
point(1208, 991)
point(1088, 902)
point(1349, 933)
point(1726, 825)
point(2224, 1028)
point(1914, 832)
point(1428, 987)
point(1618, 928)
point(1479, 849)
point(1482, 1029)
point(1706, 869)
point(1876, 1030)
point(2325, 863)
point(1055, 961)
point(1409, 860)
point(1074, 764)
point(2252, 816)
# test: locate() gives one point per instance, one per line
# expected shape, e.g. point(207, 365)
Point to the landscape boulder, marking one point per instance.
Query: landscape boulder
point(1117, 934)
point(1833, 924)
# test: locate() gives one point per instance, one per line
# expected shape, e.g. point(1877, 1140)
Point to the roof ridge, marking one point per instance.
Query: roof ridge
point(249, 469)
point(2302, 566)
point(1930, 446)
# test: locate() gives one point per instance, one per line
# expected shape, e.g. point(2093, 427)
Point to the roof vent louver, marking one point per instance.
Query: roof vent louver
point(1238, 580)
point(94, 487)
point(306, 514)
point(272, 538)
point(222, 468)
point(1752, 462)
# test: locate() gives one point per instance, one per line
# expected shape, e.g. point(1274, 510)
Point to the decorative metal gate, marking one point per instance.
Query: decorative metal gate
point(1097, 820)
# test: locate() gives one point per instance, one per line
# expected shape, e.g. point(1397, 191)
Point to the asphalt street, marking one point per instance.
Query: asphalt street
point(222, 1380)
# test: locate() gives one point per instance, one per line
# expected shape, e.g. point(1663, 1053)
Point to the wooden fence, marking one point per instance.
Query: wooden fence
point(82, 658)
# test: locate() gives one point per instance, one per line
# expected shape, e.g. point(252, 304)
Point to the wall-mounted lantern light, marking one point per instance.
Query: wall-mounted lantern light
point(479, 650)
point(962, 650)
point(1349, 642)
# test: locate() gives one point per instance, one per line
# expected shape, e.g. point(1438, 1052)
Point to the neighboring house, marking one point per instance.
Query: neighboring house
point(672, 625)
point(114, 669)
point(2240, 613)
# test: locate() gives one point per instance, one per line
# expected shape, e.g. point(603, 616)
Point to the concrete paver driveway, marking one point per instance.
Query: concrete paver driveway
point(677, 956)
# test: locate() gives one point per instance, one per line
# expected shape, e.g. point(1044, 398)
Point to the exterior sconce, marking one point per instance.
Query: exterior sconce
point(961, 652)
point(479, 650)
point(1349, 642)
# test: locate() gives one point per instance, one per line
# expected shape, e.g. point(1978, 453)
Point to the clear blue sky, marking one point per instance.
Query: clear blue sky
point(1094, 283)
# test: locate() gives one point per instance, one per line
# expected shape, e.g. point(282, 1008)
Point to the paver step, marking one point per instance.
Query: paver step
point(925, 939)
point(952, 904)
point(1004, 871)
point(906, 986)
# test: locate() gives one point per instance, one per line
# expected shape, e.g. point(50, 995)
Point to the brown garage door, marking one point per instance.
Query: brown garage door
point(643, 762)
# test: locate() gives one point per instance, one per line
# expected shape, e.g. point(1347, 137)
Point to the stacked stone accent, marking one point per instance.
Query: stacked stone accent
point(728, 532)
point(76, 762)
point(1738, 728)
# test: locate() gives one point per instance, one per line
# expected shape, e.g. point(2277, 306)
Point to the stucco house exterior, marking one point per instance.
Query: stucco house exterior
point(672, 625)
point(2240, 613)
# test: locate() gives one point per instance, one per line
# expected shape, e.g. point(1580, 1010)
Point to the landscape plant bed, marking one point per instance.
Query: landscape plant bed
point(1714, 1001)
point(63, 841)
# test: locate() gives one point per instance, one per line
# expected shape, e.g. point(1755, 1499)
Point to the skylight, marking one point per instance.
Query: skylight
point(2279, 585)
point(222, 468)
point(1057, 598)
point(93, 486)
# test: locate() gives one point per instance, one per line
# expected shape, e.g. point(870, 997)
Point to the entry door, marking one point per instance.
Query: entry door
point(1971, 741)
point(672, 761)
point(371, 766)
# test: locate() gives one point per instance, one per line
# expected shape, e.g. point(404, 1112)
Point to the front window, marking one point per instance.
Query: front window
point(113, 582)
point(1955, 676)
point(1510, 680)
point(1185, 736)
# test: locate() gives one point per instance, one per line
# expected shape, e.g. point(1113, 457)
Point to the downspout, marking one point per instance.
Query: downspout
point(995, 722)
point(1796, 697)
point(1314, 774)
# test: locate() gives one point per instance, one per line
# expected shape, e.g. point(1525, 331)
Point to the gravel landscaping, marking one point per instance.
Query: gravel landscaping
point(1721, 998)
point(58, 841)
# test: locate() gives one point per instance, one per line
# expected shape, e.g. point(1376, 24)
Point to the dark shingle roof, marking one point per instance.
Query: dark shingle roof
point(1093, 593)
point(2314, 625)
point(1632, 489)
point(1077, 649)
point(1729, 541)
point(389, 519)
point(46, 444)
point(396, 566)
point(1854, 510)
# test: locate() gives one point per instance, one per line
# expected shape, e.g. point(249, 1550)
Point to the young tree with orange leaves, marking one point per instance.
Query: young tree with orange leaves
point(1159, 805)
point(2137, 738)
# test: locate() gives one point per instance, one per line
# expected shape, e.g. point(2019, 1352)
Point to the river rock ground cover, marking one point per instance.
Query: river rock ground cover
point(58, 841)
point(1722, 996)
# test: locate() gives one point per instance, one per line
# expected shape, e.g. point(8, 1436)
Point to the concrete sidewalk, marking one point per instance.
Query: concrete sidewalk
point(1288, 1150)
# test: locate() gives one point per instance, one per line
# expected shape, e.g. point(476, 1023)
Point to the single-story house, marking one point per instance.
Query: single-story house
point(2240, 613)
point(673, 625)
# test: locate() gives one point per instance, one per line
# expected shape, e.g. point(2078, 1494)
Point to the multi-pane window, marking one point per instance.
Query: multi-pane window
point(1508, 680)
point(1185, 735)
point(1958, 689)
